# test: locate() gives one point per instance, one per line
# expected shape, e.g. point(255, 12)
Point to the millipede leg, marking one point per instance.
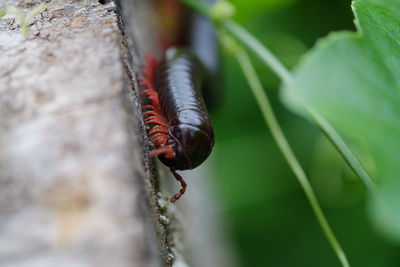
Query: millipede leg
point(183, 186)
point(167, 150)
point(153, 114)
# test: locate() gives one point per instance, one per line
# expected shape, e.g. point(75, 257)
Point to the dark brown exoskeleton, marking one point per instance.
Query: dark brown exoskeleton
point(180, 127)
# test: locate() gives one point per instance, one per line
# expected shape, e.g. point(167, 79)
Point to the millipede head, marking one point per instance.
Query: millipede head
point(191, 147)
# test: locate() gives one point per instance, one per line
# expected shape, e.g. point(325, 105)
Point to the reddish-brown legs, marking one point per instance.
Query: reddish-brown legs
point(155, 116)
point(183, 186)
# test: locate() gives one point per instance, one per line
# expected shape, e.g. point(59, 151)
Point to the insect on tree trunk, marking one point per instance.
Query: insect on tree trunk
point(76, 188)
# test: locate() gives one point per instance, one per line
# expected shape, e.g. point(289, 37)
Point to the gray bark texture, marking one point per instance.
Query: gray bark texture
point(76, 188)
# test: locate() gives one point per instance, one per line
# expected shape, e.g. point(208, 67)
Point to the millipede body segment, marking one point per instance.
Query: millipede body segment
point(178, 123)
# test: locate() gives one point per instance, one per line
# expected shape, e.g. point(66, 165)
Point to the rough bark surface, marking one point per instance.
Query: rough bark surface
point(74, 190)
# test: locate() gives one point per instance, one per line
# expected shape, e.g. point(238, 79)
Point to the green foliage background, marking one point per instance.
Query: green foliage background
point(271, 221)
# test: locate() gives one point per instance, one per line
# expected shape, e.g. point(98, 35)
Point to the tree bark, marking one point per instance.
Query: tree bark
point(74, 187)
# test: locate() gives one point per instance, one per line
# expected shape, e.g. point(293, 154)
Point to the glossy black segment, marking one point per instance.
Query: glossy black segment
point(178, 81)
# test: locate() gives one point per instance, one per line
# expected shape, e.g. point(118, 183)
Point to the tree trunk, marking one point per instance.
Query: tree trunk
point(74, 190)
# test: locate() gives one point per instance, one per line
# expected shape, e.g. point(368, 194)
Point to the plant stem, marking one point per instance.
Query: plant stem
point(286, 150)
point(344, 150)
point(247, 39)
point(258, 48)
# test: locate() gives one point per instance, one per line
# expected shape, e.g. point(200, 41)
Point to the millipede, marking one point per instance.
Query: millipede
point(176, 118)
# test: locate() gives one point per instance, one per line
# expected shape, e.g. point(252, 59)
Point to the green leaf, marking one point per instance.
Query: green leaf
point(353, 81)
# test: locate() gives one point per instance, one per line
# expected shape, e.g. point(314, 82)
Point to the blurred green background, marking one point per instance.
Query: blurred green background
point(270, 218)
